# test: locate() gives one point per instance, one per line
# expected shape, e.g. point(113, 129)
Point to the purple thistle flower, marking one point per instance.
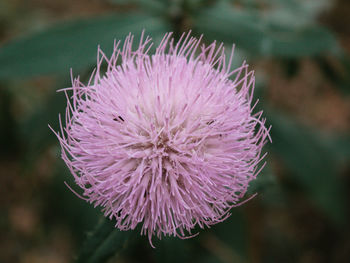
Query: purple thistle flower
point(166, 140)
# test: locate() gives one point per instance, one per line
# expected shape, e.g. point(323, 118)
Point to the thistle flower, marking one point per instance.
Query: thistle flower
point(167, 140)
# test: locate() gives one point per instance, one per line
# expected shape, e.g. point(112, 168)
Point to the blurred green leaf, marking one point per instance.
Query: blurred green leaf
point(168, 250)
point(304, 8)
point(156, 6)
point(263, 181)
point(232, 235)
point(293, 12)
point(34, 131)
point(103, 243)
point(312, 162)
point(72, 44)
point(256, 34)
point(63, 207)
point(267, 188)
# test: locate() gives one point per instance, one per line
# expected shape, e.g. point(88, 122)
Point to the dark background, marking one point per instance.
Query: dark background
point(300, 53)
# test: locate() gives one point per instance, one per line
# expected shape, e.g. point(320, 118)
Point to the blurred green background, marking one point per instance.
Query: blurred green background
point(299, 50)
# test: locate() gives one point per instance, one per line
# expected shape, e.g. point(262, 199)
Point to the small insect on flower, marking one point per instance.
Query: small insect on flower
point(167, 140)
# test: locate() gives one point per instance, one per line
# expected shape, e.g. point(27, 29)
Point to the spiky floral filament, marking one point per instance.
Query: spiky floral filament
point(167, 140)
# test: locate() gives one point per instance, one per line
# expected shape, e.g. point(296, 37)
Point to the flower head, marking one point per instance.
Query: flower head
point(167, 140)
